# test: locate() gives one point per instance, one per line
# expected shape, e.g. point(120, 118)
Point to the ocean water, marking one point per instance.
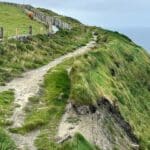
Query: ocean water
point(141, 35)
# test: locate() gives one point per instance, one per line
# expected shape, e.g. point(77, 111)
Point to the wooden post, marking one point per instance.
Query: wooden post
point(16, 32)
point(30, 30)
point(1, 32)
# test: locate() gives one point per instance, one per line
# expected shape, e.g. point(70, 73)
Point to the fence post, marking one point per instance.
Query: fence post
point(17, 33)
point(1, 32)
point(30, 30)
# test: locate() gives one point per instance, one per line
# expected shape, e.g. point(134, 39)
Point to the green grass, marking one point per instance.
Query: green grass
point(6, 106)
point(78, 142)
point(17, 57)
point(6, 103)
point(12, 17)
point(6, 142)
point(118, 70)
point(47, 109)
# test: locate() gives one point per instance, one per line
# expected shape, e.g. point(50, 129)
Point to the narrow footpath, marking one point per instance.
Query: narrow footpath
point(27, 86)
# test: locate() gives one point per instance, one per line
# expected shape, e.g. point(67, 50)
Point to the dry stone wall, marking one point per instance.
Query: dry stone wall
point(49, 21)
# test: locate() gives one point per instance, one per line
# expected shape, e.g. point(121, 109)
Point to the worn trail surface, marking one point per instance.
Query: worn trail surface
point(28, 86)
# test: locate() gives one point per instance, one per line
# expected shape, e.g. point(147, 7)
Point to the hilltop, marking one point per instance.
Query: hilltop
point(84, 88)
point(15, 18)
point(22, 20)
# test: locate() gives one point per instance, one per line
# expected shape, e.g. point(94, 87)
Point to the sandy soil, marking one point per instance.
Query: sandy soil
point(98, 128)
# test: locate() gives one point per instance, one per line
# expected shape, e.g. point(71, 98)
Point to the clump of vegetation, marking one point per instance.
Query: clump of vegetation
point(47, 110)
point(48, 107)
point(118, 70)
point(6, 142)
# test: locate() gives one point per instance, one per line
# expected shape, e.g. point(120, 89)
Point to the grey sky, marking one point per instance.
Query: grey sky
point(107, 13)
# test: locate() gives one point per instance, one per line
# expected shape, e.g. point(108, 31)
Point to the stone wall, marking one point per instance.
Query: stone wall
point(47, 20)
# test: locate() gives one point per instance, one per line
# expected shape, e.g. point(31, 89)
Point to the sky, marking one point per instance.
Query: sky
point(114, 14)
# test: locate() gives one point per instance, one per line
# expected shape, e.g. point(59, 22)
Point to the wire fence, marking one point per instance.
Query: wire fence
point(4, 32)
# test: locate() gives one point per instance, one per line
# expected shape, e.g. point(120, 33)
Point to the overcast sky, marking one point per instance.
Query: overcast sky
point(107, 13)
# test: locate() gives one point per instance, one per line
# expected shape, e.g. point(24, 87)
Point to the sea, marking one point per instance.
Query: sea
point(140, 35)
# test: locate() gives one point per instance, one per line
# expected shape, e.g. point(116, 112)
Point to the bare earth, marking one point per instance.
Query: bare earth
point(95, 128)
point(28, 86)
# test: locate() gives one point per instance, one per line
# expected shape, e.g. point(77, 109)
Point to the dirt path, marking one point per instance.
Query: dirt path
point(28, 86)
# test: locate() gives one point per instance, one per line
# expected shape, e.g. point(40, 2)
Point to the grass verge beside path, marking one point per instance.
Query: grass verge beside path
point(6, 106)
point(78, 142)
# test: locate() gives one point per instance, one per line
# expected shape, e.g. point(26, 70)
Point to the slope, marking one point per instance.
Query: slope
point(118, 71)
point(13, 17)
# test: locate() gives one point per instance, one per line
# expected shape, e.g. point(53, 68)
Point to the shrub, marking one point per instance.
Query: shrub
point(29, 47)
point(20, 46)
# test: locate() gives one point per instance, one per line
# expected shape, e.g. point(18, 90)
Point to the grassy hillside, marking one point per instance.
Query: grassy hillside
point(12, 17)
point(120, 71)
point(17, 56)
point(117, 69)
point(73, 22)
point(47, 108)
point(6, 105)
